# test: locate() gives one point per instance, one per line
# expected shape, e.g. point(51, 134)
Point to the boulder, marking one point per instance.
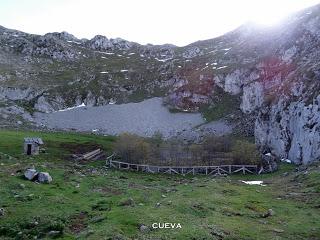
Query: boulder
point(30, 174)
point(44, 177)
point(128, 202)
point(143, 228)
point(269, 213)
point(269, 163)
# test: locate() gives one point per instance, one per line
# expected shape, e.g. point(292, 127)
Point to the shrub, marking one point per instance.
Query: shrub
point(157, 138)
point(132, 148)
point(215, 144)
point(245, 153)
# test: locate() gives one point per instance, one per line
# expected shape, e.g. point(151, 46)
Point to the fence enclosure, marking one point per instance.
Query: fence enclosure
point(183, 170)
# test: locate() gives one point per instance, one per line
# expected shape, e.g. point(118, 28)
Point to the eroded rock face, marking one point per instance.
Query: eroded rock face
point(102, 43)
point(17, 93)
point(291, 131)
point(192, 52)
point(252, 98)
point(42, 105)
point(233, 82)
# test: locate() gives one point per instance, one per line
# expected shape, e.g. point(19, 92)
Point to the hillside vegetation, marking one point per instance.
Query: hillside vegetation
point(88, 201)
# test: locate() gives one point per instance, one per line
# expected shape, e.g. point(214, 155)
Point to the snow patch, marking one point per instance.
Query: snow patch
point(162, 60)
point(260, 183)
point(74, 42)
point(222, 67)
point(111, 102)
point(70, 108)
point(286, 160)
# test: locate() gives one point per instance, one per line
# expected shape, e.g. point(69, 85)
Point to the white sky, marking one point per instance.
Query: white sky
point(179, 22)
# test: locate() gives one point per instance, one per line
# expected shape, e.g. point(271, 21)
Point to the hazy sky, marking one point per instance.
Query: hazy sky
point(178, 22)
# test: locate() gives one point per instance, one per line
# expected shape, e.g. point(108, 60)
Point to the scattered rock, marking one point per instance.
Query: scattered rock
point(143, 228)
point(2, 212)
point(44, 177)
point(218, 233)
point(54, 233)
point(269, 163)
point(158, 204)
point(129, 202)
point(269, 213)
point(278, 230)
point(285, 174)
point(263, 222)
point(98, 219)
point(30, 174)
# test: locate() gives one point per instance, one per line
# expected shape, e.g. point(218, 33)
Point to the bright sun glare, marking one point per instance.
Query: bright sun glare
point(273, 11)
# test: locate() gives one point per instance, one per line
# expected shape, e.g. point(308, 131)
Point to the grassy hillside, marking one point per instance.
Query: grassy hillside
point(88, 201)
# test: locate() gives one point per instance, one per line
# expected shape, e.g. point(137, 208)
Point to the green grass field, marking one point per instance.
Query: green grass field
point(88, 201)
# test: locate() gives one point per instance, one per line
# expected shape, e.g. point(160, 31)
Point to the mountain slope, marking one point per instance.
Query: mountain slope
point(273, 72)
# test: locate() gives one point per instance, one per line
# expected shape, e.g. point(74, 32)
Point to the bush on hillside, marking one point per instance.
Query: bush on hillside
point(132, 148)
point(245, 153)
point(215, 144)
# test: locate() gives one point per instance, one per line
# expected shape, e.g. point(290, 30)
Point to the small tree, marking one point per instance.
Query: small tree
point(157, 138)
point(245, 153)
point(196, 151)
point(132, 148)
point(215, 144)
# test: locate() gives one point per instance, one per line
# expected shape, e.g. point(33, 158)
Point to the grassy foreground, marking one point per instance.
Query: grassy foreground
point(88, 201)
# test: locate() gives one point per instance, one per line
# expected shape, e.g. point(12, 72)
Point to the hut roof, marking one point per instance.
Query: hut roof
point(36, 140)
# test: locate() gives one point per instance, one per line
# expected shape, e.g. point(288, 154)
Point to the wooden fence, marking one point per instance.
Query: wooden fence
point(207, 170)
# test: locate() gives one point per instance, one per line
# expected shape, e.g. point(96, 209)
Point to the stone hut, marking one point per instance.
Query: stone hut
point(32, 145)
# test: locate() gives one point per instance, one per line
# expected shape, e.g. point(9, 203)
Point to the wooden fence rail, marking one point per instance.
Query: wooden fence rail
point(207, 170)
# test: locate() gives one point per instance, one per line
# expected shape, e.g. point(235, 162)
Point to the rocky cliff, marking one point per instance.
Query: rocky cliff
point(274, 74)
